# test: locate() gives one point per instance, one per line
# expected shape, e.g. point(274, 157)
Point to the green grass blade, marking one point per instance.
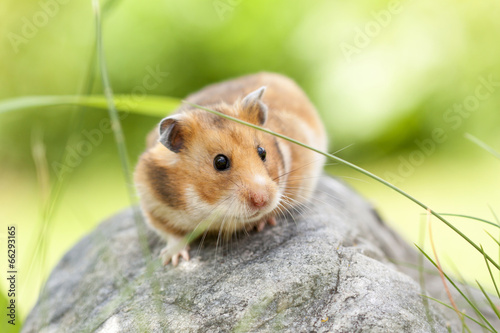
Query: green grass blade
point(415, 267)
point(492, 305)
point(118, 132)
point(355, 167)
point(421, 276)
point(472, 218)
point(494, 215)
point(110, 105)
point(496, 240)
point(151, 267)
point(498, 222)
point(491, 274)
point(35, 101)
point(461, 280)
point(156, 106)
point(463, 313)
point(472, 305)
point(482, 145)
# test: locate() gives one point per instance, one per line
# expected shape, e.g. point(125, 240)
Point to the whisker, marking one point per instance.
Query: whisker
point(277, 211)
point(221, 227)
point(296, 179)
point(280, 210)
point(316, 199)
point(317, 190)
point(279, 207)
point(287, 209)
point(354, 178)
point(234, 183)
point(207, 228)
point(295, 202)
point(203, 238)
point(299, 206)
point(302, 166)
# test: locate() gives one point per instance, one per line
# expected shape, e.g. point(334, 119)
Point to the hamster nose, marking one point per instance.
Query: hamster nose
point(259, 199)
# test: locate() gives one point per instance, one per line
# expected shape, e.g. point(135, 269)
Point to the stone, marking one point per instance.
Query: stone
point(326, 268)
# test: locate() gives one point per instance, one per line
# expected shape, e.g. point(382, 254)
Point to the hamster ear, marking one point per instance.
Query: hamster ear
point(171, 134)
point(253, 107)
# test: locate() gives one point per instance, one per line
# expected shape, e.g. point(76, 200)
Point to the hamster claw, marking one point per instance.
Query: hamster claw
point(271, 221)
point(261, 225)
point(166, 255)
point(175, 258)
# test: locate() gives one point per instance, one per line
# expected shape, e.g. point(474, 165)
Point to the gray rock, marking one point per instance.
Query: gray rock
point(327, 269)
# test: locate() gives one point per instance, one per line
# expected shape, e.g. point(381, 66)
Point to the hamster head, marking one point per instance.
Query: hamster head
point(230, 172)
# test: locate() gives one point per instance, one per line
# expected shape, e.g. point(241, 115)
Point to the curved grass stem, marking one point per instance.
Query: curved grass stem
point(357, 168)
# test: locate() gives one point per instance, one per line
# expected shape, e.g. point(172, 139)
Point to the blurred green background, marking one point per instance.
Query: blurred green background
point(398, 82)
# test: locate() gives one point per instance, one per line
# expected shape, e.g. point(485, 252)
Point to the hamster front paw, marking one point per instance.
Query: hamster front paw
point(176, 247)
point(270, 220)
point(168, 254)
point(262, 223)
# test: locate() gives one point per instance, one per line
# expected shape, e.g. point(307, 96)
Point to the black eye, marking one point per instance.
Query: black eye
point(221, 163)
point(262, 153)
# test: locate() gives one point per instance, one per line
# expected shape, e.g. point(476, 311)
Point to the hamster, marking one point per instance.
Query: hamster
point(204, 173)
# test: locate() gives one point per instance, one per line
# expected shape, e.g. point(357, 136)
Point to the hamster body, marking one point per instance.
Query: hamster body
point(201, 172)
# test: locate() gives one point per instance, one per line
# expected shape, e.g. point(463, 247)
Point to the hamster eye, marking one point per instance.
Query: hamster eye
point(262, 153)
point(221, 163)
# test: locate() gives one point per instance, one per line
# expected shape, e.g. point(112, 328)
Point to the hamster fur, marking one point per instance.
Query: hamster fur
point(185, 185)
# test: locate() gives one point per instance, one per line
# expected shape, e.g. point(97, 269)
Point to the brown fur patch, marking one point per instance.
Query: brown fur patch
point(164, 187)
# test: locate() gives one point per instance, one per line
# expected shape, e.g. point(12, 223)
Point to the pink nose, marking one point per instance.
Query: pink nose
point(259, 199)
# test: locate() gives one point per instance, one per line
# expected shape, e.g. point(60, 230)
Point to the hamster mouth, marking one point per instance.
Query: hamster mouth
point(244, 213)
point(259, 213)
point(255, 214)
point(252, 217)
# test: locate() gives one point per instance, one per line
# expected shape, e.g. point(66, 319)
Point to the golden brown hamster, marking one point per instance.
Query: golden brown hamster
point(203, 171)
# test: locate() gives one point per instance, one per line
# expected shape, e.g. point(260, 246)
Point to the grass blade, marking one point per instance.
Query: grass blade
point(498, 222)
point(494, 215)
point(35, 101)
point(491, 274)
point(472, 218)
point(472, 305)
point(492, 305)
point(441, 273)
point(482, 145)
point(355, 167)
point(119, 137)
point(421, 276)
point(156, 106)
point(496, 240)
point(463, 313)
point(461, 280)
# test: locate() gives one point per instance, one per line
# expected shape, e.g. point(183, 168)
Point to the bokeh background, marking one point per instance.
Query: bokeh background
point(397, 83)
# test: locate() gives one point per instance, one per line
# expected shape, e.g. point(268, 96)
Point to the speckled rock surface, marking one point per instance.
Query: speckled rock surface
point(327, 271)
